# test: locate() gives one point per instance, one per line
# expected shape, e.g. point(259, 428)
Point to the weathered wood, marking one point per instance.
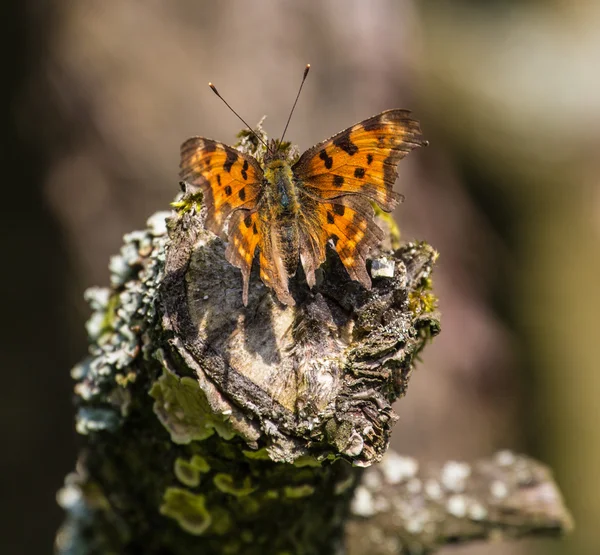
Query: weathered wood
point(207, 421)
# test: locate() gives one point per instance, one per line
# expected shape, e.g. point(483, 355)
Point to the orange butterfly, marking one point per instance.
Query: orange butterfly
point(290, 210)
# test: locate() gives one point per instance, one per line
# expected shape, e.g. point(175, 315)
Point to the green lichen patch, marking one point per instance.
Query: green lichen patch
point(221, 521)
point(188, 202)
point(183, 410)
point(188, 509)
point(307, 460)
point(296, 492)
point(227, 484)
point(188, 472)
point(125, 379)
point(421, 300)
point(259, 455)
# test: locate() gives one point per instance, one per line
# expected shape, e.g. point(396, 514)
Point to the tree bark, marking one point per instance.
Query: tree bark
point(217, 428)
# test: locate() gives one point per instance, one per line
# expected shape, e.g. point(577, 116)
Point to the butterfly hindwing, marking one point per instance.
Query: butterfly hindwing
point(244, 236)
point(361, 159)
point(347, 223)
point(229, 179)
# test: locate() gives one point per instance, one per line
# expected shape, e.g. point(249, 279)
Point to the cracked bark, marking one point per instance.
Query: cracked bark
point(214, 428)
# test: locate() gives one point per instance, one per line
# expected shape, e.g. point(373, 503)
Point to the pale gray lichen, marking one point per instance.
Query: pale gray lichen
point(397, 469)
point(498, 489)
point(83, 501)
point(454, 475)
point(362, 503)
point(433, 490)
point(477, 511)
point(505, 458)
point(96, 419)
point(414, 486)
point(457, 505)
point(372, 480)
point(120, 315)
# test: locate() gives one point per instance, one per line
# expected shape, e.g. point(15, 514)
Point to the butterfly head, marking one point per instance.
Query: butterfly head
point(277, 150)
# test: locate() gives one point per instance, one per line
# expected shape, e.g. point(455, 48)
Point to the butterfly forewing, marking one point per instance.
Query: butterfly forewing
point(229, 179)
point(361, 159)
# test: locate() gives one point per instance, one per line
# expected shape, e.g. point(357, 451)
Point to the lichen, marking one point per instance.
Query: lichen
point(421, 300)
point(96, 419)
point(120, 316)
point(227, 484)
point(182, 408)
point(187, 202)
point(188, 509)
point(188, 472)
point(397, 469)
point(258, 455)
point(84, 501)
point(221, 521)
point(296, 492)
point(307, 460)
point(454, 476)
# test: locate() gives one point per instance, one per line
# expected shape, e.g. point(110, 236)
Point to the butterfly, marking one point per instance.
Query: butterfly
point(288, 210)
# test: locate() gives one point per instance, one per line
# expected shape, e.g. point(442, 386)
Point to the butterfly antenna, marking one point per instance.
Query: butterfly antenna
point(306, 70)
point(214, 89)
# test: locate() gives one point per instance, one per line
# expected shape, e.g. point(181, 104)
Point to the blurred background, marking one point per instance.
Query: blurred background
point(99, 95)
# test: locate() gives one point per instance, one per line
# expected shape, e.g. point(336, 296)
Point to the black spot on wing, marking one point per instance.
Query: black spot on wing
point(254, 230)
point(369, 158)
point(209, 147)
point(330, 218)
point(338, 180)
point(339, 209)
point(327, 159)
point(344, 142)
point(248, 221)
point(228, 190)
point(231, 159)
point(219, 179)
point(245, 170)
point(334, 238)
point(359, 173)
point(372, 125)
point(242, 194)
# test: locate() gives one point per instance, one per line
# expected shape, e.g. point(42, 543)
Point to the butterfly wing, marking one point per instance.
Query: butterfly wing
point(229, 179)
point(354, 166)
point(347, 222)
point(230, 183)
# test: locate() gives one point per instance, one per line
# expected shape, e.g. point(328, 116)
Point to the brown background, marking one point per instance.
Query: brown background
point(100, 94)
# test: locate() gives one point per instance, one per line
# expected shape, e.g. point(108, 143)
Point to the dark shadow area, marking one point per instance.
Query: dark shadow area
point(38, 342)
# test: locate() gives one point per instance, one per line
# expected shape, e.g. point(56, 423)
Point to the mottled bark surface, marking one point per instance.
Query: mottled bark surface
point(214, 428)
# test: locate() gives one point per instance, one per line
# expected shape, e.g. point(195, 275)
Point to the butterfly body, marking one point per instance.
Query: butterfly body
point(289, 210)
